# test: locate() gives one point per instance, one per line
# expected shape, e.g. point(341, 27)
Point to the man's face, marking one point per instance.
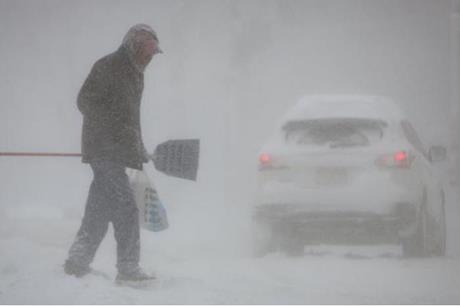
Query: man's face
point(147, 47)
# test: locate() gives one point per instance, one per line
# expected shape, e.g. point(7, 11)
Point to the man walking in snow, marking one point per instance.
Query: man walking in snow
point(111, 141)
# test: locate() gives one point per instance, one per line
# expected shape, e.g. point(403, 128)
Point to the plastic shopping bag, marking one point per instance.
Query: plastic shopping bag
point(152, 213)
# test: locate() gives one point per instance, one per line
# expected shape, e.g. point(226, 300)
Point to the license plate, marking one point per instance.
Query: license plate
point(331, 176)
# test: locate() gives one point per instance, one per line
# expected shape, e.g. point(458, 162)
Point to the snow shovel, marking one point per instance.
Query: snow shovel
point(178, 158)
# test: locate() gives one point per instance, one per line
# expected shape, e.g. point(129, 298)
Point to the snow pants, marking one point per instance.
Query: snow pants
point(110, 199)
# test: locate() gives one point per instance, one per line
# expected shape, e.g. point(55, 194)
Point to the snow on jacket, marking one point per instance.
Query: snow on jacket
point(110, 103)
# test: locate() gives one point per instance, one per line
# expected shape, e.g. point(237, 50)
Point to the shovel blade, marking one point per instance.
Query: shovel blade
point(178, 158)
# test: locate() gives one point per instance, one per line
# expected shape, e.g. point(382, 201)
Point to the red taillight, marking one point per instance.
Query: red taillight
point(400, 159)
point(265, 158)
point(265, 161)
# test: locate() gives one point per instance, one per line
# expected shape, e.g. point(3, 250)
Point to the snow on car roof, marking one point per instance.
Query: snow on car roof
point(344, 106)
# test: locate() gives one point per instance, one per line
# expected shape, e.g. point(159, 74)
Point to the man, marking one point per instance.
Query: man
point(111, 141)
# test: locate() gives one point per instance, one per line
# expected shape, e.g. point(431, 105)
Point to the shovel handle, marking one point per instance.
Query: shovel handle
point(39, 154)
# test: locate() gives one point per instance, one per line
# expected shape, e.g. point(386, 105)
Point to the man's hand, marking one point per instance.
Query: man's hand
point(146, 156)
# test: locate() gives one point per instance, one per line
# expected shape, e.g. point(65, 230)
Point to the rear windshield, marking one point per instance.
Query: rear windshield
point(334, 133)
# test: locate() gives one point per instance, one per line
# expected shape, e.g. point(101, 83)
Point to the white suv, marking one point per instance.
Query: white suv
point(348, 169)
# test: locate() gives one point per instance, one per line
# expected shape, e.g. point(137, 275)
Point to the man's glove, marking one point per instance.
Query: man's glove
point(145, 156)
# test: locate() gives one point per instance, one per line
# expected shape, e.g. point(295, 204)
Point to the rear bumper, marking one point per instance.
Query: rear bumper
point(368, 190)
point(338, 226)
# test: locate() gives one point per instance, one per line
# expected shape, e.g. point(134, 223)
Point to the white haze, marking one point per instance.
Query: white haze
point(230, 69)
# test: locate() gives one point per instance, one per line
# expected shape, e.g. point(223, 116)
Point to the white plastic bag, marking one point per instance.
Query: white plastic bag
point(152, 214)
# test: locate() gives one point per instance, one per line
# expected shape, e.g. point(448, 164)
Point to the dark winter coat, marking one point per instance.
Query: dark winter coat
point(110, 103)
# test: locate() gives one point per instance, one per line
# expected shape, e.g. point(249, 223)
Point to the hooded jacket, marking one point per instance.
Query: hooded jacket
point(110, 103)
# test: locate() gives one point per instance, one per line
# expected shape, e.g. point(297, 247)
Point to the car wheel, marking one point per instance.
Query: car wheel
point(415, 245)
point(289, 241)
point(293, 248)
point(441, 241)
point(262, 238)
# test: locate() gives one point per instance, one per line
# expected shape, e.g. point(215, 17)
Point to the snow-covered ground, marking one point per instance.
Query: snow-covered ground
point(196, 264)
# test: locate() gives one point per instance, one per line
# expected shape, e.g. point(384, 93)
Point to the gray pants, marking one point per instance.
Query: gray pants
point(110, 199)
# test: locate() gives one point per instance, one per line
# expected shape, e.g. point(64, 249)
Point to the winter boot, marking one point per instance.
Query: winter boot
point(76, 270)
point(135, 275)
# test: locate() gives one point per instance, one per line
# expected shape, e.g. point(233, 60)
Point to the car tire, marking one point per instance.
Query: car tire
point(441, 241)
point(290, 242)
point(262, 238)
point(416, 245)
point(293, 248)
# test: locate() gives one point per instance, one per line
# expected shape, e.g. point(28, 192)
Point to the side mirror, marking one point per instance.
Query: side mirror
point(437, 153)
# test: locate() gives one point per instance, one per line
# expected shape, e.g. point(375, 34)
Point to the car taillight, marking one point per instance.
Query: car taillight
point(400, 159)
point(265, 161)
point(268, 162)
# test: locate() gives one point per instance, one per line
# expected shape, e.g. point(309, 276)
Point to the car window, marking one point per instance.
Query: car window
point(412, 137)
point(334, 133)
